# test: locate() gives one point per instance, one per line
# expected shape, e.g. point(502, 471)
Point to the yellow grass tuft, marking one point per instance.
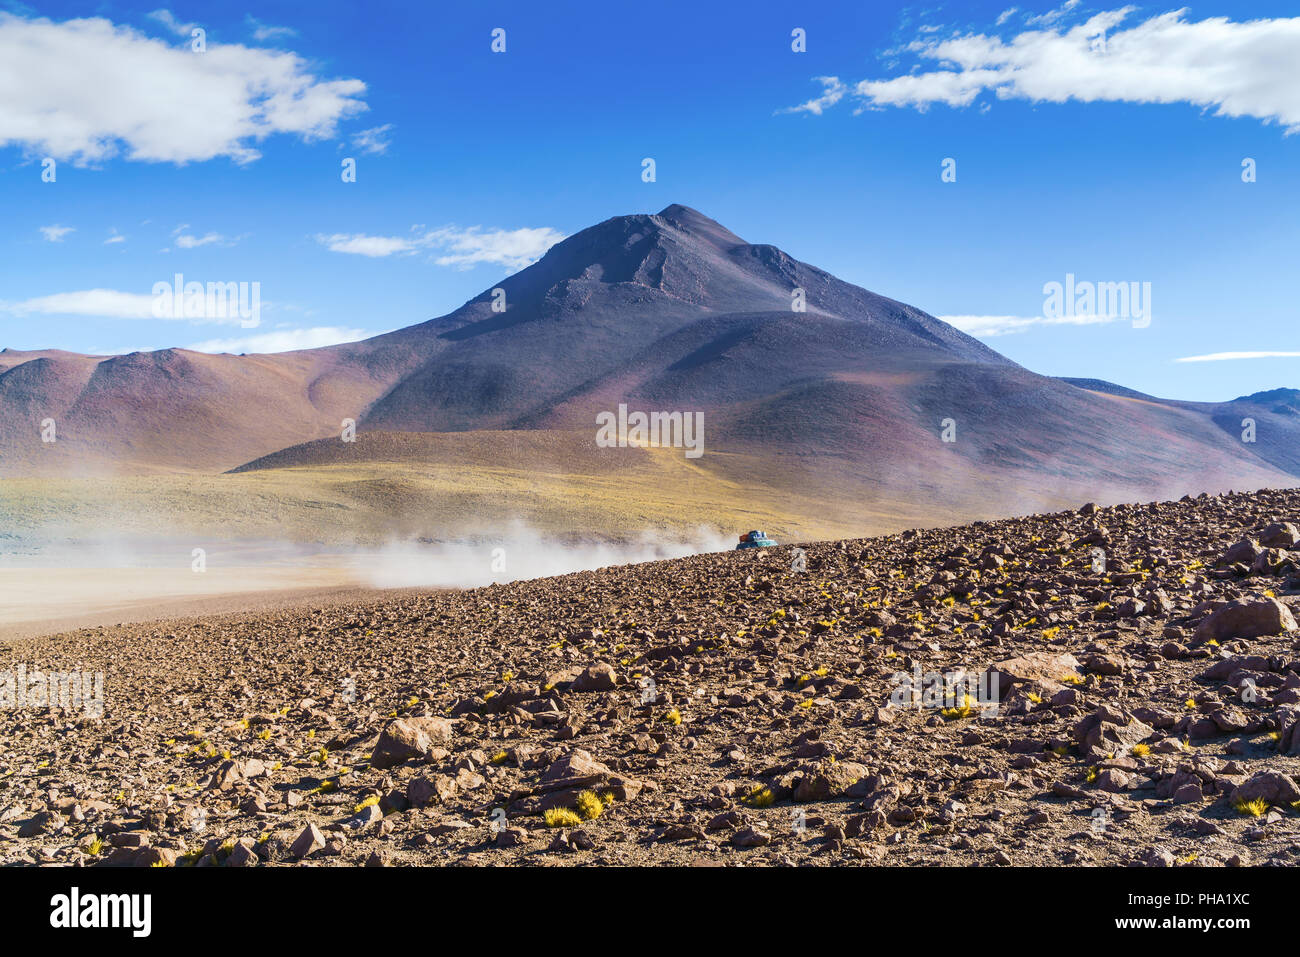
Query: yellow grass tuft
point(560, 817)
point(589, 805)
point(965, 710)
point(1255, 808)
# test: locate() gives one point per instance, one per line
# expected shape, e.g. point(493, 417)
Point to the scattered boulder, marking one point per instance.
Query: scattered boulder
point(598, 677)
point(1109, 730)
point(1039, 668)
point(828, 779)
point(1246, 619)
point(307, 843)
point(1280, 535)
point(406, 738)
point(1272, 786)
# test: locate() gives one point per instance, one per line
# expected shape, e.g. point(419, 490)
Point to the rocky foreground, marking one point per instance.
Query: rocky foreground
point(1137, 701)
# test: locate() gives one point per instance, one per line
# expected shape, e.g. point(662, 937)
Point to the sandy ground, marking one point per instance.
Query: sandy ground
point(40, 601)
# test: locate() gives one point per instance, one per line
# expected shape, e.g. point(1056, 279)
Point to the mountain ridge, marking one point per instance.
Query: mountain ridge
point(849, 396)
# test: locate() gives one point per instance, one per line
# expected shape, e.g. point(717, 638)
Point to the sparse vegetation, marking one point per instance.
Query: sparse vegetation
point(561, 817)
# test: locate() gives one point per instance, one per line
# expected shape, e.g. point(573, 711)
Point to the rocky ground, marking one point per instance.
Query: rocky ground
point(729, 708)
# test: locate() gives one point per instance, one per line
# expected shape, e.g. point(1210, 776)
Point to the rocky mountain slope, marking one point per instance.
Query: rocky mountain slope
point(665, 312)
point(1144, 661)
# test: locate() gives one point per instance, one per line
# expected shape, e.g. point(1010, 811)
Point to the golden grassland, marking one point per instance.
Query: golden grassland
point(440, 487)
point(665, 495)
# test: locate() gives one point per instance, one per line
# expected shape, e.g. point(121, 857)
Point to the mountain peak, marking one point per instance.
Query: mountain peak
point(694, 222)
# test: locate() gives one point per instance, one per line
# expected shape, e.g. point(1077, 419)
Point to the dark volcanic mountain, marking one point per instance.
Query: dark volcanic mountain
point(666, 312)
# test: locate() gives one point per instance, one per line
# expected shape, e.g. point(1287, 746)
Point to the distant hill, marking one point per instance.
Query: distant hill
point(664, 312)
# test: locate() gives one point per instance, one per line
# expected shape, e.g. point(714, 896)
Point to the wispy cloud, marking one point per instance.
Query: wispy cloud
point(88, 90)
point(1229, 356)
point(1005, 325)
point(283, 340)
point(105, 303)
point(186, 241)
point(1051, 16)
point(452, 246)
point(172, 22)
point(359, 244)
point(116, 304)
point(114, 237)
point(513, 248)
point(1235, 69)
point(264, 31)
point(833, 91)
point(373, 140)
point(55, 233)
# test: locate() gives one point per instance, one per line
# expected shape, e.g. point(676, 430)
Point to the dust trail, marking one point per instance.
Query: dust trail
point(520, 553)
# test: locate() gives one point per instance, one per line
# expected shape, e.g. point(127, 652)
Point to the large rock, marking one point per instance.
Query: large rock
point(308, 842)
point(575, 769)
point(513, 694)
point(1289, 742)
point(1280, 535)
point(1109, 731)
point(422, 791)
point(828, 779)
point(406, 738)
point(1035, 668)
point(1271, 561)
point(1243, 552)
point(599, 677)
point(570, 775)
point(233, 773)
point(1224, 668)
point(1272, 786)
point(1246, 619)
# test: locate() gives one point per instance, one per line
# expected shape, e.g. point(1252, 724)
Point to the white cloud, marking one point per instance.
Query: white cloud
point(1005, 325)
point(106, 303)
point(87, 90)
point(186, 241)
point(264, 31)
point(1235, 69)
point(1052, 16)
point(832, 93)
point(1005, 15)
point(360, 244)
point(114, 237)
point(115, 304)
point(1226, 356)
point(463, 248)
point(512, 248)
point(172, 23)
point(285, 340)
point(55, 233)
point(373, 140)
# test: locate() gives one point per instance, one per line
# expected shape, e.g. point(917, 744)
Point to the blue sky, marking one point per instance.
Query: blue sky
point(1088, 140)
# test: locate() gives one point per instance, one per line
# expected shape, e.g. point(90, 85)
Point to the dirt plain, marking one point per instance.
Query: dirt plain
point(728, 708)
